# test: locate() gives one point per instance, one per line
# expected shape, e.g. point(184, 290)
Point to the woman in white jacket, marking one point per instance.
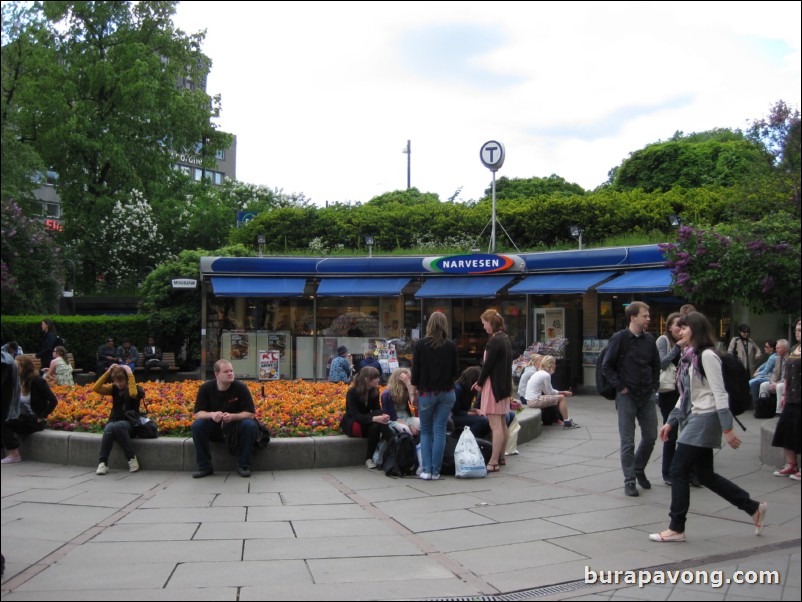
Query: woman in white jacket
point(703, 416)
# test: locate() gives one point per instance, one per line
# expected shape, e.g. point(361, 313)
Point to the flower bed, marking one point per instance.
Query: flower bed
point(289, 408)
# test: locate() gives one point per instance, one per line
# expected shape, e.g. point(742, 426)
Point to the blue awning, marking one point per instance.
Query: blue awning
point(361, 287)
point(462, 287)
point(258, 287)
point(559, 284)
point(639, 281)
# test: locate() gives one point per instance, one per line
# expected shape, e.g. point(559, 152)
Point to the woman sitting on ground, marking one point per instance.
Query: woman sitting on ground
point(540, 393)
point(396, 400)
point(464, 413)
point(125, 397)
point(363, 415)
point(60, 368)
point(36, 403)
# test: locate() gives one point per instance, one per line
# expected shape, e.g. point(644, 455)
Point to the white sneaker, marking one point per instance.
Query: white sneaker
point(425, 476)
point(133, 464)
point(102, 468)
point(369, 463)
point(435, 477)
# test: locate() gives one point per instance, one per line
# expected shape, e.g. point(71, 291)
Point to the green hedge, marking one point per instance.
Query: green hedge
point(82, 334)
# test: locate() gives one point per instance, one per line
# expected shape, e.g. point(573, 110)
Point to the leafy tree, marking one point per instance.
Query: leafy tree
point(719, 157)
point(107, 92)
point(175, 313)
point(754, 263)
point(31, 272)
point(531, 188)
point(780, 133)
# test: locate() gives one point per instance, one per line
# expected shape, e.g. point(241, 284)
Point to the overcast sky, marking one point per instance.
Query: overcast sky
point(324, 96)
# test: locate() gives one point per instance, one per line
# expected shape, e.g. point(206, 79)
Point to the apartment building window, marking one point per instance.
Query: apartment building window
point(51, 210)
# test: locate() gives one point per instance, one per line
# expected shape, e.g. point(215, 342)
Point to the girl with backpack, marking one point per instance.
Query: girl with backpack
point(703, 416)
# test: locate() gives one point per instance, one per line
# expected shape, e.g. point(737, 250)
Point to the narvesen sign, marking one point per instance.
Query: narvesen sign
point(482, 263)
point(184, 283)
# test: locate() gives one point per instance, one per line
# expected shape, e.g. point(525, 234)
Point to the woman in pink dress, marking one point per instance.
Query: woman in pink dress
point(495, 384)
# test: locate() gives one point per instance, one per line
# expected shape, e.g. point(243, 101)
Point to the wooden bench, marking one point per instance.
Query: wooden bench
point(38, 364)
point(167, 357)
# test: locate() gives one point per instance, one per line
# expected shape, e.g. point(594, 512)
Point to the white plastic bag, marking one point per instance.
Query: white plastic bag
point(469, 463)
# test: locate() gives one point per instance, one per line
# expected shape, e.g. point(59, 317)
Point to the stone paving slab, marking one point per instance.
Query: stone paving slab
point(347, 546)
point(306, 534)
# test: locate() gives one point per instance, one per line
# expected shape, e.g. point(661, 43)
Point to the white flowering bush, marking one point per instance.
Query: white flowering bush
point(132, 241)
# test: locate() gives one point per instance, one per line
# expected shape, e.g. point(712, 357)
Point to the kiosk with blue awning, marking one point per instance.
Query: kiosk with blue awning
point(304, 308)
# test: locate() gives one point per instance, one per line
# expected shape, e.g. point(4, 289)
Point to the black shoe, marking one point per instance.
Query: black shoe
point(203, 472)
point(667, 482)
point(631, 490)
point(244, 471)
point(694, 480)
point(643, 481)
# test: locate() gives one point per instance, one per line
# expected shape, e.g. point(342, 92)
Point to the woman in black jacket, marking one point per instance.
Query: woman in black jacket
point(363, 414)
point(48, 344)
point(36, 403)
point(495, 384)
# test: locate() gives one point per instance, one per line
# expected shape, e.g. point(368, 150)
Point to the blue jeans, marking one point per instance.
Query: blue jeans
point(643, 410)
point(688, 457)
point(206, 430)
point(121, 432)
point(754, 387)
point(434, 409)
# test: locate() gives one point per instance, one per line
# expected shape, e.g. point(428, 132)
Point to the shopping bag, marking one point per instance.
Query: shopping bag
point(469, 463)
point(512, 437)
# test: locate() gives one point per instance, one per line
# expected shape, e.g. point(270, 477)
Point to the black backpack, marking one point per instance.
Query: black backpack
point(736, 382)
point(603, 386)
point(400, 458)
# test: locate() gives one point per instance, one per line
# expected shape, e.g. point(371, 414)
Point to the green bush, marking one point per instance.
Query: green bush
point(82, 334)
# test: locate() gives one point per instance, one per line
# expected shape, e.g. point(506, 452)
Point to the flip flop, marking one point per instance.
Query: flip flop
point(493, 468)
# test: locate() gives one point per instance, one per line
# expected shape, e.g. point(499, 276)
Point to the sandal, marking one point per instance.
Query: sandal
point(502, 462)
point(492, 468)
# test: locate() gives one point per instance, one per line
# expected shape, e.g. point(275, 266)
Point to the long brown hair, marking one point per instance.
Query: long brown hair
point(671, 317)
point(27, 370)
point(469, 377)
point(361, 383)
point(702, 336)
point(437, 329)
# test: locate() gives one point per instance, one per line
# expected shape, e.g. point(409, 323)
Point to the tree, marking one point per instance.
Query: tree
point(780, 133)
point(175, 313)
point(107, 92)
point(516, 188)
point(31, 272)
point(718, 157)
point(131, 240)
point(754, 263)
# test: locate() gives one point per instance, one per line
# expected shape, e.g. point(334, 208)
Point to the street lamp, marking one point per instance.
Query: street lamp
point(260, 240)
point(577, 232)
point(369, 242)
point(675, 220)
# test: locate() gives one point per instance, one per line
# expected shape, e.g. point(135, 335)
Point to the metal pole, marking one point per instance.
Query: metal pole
point(409, 164)
point(493, 218)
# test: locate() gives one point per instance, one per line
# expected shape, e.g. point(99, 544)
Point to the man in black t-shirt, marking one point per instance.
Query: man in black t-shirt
point(221, 402)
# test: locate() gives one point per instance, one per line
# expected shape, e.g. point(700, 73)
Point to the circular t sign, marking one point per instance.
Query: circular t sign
point(492, 155)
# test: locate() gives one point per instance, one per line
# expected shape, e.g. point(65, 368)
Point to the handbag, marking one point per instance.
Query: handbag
point(469, 463)
point(513, 429)
point(668, 379)
point(144, 427)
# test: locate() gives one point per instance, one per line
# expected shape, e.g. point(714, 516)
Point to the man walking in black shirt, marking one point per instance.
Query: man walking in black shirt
point(632, 365)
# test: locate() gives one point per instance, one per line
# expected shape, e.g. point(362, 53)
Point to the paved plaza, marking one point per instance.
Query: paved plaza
point(554, 518)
